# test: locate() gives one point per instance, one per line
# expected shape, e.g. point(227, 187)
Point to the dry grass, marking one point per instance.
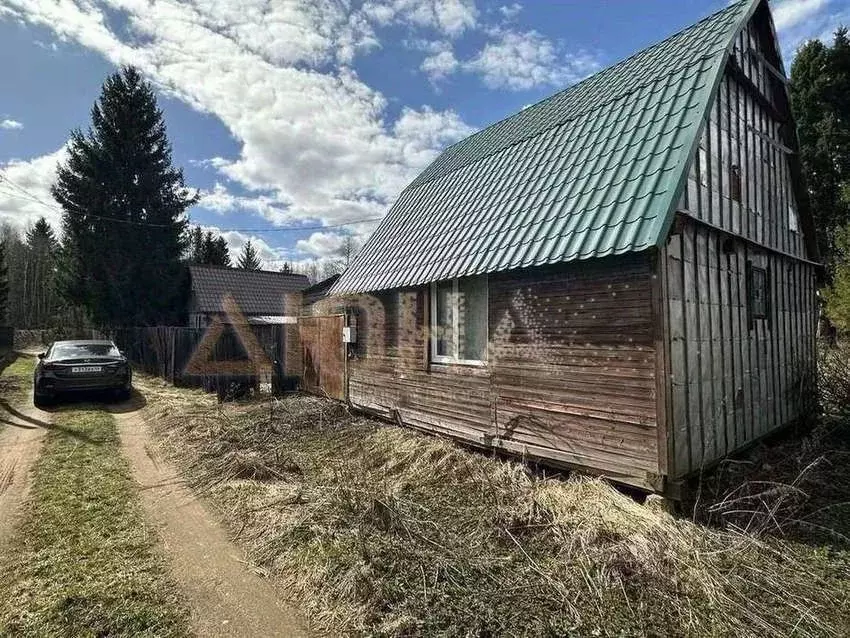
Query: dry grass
point(16, 376)
point(834, 380)
point(797, 485)
point(83, 562)
point(382, 531)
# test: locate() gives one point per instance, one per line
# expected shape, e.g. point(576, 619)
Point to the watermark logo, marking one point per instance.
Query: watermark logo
point(203, 361)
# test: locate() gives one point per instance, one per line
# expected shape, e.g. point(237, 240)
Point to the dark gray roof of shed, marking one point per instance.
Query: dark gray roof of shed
point(256, 292)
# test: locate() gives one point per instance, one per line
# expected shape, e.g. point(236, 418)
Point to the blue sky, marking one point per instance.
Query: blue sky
point(313, 114)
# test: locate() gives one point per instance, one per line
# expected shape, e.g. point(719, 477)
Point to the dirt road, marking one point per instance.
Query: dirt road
point(225, 596)
point(20, 441)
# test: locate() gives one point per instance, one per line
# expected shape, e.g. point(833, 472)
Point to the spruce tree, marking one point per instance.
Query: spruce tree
point(208, 249)
point(820, 96)
point(41, 252)
point(219, 253)
point(123, 210)
point(195, 240)
point(248, 259)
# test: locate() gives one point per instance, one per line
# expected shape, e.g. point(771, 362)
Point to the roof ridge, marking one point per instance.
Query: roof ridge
point(237, 269)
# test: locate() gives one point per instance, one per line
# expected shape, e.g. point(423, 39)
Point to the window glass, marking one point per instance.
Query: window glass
point(459, 320)
point(82, 350)
point(472, 318)
point(735, 182)
point(443, 328)
point(758, 293)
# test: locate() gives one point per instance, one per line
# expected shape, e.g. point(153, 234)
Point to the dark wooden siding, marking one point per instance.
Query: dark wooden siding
point(731, 379)
point(748, 127)
point(570, 374)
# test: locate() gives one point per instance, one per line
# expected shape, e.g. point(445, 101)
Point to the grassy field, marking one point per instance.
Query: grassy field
point(83, 562)
point(16, 378)
point(382, 531)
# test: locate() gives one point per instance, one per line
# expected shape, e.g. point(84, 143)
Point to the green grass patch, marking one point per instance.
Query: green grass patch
point(83, 562)
point(16, 377)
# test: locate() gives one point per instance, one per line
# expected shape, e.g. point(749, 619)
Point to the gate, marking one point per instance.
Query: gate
point(323, 355)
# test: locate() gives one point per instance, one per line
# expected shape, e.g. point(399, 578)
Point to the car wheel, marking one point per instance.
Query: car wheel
point(40, 400)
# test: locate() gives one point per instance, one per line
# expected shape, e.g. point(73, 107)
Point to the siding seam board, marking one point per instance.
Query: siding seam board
point(767, 249)
point(661, 330)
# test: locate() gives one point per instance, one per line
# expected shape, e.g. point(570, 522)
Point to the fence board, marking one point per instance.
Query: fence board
point(165, 351)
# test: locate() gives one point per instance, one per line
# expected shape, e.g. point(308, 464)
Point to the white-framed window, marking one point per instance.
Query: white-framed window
point(459, 321)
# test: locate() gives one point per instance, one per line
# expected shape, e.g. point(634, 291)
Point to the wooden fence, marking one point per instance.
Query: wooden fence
point(181, 355)
point(7, 338)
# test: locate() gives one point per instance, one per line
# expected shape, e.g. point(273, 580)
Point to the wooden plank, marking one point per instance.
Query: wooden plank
point(693, 348)
point(323, 355)
point(662, 368)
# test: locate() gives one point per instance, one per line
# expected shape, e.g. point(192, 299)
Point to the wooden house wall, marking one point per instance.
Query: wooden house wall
point(730, 379)
point(733, 379)
point(747, 128)
point(570, 375)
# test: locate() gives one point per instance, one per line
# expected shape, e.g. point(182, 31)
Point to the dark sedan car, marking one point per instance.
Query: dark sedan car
point(75, 366)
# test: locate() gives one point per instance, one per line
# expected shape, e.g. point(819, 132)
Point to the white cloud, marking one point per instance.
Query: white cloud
point(790, 13)
point(315, 140)
point(450, 17)
point(220, 200)
point(11, 125)
point(523, 60)
point(34, 176)
point(322, 244)
point(798, 21)
point(509, 59)
point(440, 64)
point(510, 10)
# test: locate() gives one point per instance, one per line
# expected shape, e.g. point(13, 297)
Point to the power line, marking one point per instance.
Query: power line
point(291, 228)
point(33, 198)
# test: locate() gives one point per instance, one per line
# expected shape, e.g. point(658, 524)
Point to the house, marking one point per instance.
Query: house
point(261, 295)
point(316, 293)
point(269, 302)
point(620, 278)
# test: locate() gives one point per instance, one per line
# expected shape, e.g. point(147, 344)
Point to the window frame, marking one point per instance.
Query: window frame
point(735, 183)
point(751, 276)
point(432, 337)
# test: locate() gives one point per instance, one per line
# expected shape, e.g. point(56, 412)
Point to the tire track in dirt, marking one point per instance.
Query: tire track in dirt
point(225, 597)
point(23, 431)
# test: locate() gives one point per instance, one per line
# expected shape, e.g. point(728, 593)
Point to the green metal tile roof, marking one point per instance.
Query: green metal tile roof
point(592, 171)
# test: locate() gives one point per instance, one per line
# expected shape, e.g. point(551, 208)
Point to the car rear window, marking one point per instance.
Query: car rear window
point(81, 350)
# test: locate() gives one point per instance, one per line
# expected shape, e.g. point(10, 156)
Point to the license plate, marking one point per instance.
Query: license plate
point(86, 369)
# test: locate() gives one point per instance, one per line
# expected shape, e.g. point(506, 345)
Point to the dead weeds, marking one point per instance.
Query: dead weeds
point(382, 531)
